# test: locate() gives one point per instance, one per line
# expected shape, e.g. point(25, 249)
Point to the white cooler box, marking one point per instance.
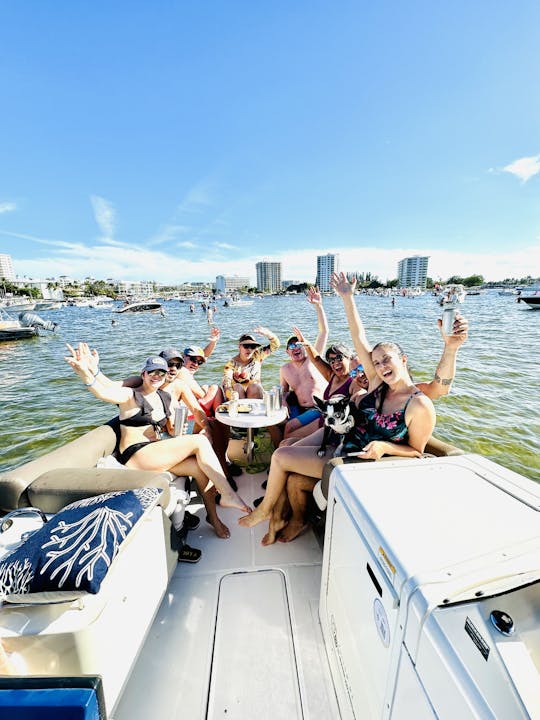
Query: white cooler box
point(430, 598)
point(97, 634)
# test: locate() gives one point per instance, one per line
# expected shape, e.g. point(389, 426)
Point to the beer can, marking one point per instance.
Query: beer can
point(448, 317)
point(180, 417)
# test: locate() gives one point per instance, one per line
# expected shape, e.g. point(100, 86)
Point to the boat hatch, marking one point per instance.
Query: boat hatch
point(254, 670)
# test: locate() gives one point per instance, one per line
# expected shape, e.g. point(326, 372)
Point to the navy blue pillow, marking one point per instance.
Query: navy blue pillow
point(75, 549)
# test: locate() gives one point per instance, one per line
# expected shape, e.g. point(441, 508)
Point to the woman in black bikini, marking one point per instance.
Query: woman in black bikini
point(144, 413)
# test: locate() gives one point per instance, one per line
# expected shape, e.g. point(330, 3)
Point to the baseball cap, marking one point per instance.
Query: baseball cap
point(291, 340)
point(155, 363)
point(195, 351)
point(248, 338)
point(170, 353)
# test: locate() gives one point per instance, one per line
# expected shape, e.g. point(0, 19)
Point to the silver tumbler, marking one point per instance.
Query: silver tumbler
point(180, 417)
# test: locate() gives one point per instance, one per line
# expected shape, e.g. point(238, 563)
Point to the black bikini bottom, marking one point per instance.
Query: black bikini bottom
point(128, 453)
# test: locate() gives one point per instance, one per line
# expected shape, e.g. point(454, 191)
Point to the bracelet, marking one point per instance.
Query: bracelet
point(94, 380)
point(97, 372)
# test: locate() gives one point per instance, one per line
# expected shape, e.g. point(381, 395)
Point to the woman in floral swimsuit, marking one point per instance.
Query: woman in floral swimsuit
point(393, 418)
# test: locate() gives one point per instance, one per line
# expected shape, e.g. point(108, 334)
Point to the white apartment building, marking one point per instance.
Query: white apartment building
point(326, 265)
point(412, 271)
point(230, 284)
point(268, 276)
point(6, 268)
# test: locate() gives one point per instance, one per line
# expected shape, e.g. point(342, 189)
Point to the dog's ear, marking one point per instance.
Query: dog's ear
point(321, 404)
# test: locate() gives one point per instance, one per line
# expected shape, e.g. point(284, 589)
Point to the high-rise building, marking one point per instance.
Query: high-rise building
point(6, 267)
point(412, 271)
point(326, 265)
point(268, 276)
point(230, 284)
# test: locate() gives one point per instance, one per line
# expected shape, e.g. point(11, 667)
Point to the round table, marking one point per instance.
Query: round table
point(255, 418)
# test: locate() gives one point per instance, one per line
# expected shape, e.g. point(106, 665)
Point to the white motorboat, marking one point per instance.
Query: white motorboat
point(451, 294)
point(421, 601)
point(530, 296)
point(13, 329)
point(140, 306)
point(102, 303)
point(18, 304)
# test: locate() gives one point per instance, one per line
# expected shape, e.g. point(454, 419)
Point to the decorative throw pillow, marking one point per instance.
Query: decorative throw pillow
point(74, 550)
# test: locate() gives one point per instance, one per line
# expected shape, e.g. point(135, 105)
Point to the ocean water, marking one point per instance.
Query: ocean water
point(493, 409)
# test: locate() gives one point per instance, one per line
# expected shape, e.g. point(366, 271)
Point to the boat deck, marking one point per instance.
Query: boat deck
point(237, 635)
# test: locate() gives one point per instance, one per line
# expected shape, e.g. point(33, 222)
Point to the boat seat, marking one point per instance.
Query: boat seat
point(434, 448)
point(69, 473)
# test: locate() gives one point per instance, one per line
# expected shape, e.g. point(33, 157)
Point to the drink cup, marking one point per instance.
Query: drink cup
point(180, 417)
point(267, 398)
point(448, 317)
point(233, 405)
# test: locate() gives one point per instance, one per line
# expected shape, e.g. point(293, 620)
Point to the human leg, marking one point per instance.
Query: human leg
point(254, 391)
point(278, 520)
point(299, 488)
point(285, 460)
point(169, 455)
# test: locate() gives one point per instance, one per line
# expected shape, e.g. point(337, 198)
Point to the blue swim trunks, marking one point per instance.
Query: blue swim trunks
point(305, 416)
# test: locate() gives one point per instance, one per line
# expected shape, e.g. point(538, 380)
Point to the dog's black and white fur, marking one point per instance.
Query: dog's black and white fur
point(338, 421)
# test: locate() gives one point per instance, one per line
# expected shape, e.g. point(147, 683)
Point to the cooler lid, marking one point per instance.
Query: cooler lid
point(435, 519)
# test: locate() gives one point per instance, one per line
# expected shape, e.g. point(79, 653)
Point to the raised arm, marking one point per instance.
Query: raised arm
point(446, 369)
point(273, 339)
point(315, 298)
point(85, 363)
point(345, 290)
point(215, 332)
point(314, 355)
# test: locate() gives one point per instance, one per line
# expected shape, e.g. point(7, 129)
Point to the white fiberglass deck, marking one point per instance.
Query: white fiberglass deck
point(238, 634)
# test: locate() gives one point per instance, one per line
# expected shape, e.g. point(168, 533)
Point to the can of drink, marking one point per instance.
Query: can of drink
point(267, 399)
point(180, 417)
point(448, 317)
point(233, 404)
point(278, 402)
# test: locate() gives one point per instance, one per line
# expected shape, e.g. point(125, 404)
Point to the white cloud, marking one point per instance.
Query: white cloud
point(524, 168)
point(225, 246)
point(105, 217)
point(141, 263)
point(6, 207)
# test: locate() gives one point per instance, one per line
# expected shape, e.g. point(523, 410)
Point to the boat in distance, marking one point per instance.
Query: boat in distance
point(530, 296)
point(139, 306)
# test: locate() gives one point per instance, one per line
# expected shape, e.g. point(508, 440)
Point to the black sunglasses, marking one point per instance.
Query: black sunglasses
point(197, 361)
point(336, 358)
point(250, 346)
point(176, 365)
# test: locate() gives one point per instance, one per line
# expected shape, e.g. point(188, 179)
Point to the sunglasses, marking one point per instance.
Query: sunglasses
point(250, 346)
point(176, 365)
point(294, 346)
point(336, 358)
point(157, 373)
point(195, 360)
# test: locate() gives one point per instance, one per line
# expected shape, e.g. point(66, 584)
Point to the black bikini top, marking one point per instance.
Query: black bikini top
point(144, 415)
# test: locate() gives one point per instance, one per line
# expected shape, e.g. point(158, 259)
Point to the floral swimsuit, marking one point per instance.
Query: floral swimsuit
point(373, 425)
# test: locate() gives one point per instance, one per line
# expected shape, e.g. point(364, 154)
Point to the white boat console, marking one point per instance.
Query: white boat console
point(430, 597)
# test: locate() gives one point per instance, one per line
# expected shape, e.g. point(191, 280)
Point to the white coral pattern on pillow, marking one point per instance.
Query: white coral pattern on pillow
point(75, 544)
point(15, 577)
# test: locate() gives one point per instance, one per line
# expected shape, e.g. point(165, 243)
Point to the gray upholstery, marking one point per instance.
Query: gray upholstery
point(64, 474)
point(55, 489)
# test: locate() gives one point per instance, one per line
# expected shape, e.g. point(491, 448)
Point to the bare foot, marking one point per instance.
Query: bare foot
point(256, 517)
point(221, 530)
point(273, 530)
point(231, 500)
point(293, 530)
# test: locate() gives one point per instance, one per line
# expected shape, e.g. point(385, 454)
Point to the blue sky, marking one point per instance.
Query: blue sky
point(175, 141)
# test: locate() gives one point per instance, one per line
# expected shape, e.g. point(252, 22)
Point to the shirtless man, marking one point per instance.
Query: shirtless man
point(208, 396)
point(300, 379)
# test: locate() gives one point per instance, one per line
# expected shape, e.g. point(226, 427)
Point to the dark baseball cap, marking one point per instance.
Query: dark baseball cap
point(170, 354)
point(155, 363)
point(248, 339)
